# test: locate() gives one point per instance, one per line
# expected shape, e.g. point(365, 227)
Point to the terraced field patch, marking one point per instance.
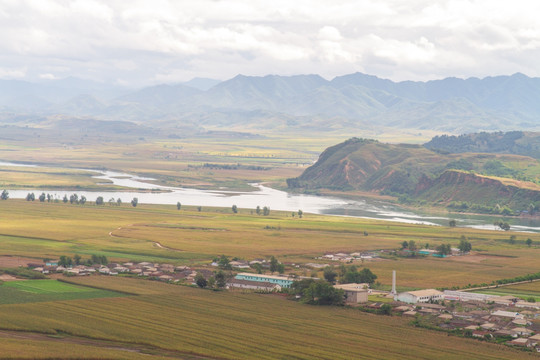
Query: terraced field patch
point(28, 291)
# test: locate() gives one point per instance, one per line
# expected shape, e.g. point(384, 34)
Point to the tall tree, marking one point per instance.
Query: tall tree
point(42, 197)
point(5, 195)
point(221, 280)
point(134, 202)
point(200, 280)
point(234, 209)
point(99, 200)
point(329, 274)
point(273, 264)
point(178, 205)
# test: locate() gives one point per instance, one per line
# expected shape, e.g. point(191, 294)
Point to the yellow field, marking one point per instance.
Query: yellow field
point(125, 233)
point(234, 325)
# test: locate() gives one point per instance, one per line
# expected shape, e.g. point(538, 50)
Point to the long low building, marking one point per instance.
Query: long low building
point(253, 285)
point(283, 281)
point(420, 296)
point(466, 296)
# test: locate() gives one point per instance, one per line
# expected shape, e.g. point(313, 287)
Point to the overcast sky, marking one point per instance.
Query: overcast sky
point(159, 41)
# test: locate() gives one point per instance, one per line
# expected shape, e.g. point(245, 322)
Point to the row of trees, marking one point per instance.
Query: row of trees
point(349, 275)
point(77, 260)
point(72, 199)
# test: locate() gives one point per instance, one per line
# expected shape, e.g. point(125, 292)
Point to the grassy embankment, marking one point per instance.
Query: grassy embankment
point(42, 230)
point(226, 325)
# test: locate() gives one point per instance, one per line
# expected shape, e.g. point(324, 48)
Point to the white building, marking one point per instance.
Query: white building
point(422, 296)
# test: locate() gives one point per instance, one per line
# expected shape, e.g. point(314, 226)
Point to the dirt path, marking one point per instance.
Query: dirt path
point(112, 345)
point(166, 248)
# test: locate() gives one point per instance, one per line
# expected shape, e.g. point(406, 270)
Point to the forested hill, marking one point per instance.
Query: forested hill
point(513, 142)
point(485, 182)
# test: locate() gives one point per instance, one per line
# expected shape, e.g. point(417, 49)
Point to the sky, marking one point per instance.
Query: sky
point(137, 43)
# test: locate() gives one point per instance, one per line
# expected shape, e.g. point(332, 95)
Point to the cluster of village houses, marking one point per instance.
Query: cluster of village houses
point(482, 315)
point(164, 272)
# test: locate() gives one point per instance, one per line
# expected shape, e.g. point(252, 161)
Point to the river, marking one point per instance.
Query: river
point(274, 199)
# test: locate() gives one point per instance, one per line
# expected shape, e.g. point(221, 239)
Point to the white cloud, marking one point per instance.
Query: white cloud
point(48, 76)
point(143, 42)
point(12, 73)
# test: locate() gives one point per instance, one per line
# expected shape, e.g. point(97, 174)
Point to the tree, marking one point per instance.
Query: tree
point(211, 282)
point(134, 202)
point(200, 280)
point(111, 201)
point(42, 197)
point(221, 280)
point(322, 293)
point(82, 201)
point(234, 209)
point(266, 211)
point(49, 197)
point(512, 239)
point(273, 264)
point(77, 259)
point(354, 276)
point(62, 261)
point(444, 249)
point(224, 263)
point(528, 242)
point(452, 223)
point(199, 208)
point(118, 201)
point(280, 268)
point(300, 213)
point(99, 200)
point(30, 197)
point(5, 195)
point(464, 246)
point(404, 245)
point(258, 210)
point(65, 199)
point(329, 274)
point(386, 309)
point(178, 205)
point(74, 199)
point(412, 245)
point(257, 267)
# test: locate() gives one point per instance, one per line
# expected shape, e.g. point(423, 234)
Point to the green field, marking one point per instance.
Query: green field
point(232, 325)
point(28, 291)
point(523, 291)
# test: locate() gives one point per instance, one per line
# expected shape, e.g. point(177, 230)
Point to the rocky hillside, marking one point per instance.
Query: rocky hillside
point(417, 174)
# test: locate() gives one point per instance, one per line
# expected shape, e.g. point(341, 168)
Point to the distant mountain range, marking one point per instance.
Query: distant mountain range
point(346, 102)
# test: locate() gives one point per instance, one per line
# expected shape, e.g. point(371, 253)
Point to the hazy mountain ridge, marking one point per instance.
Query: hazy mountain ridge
point(349, 101)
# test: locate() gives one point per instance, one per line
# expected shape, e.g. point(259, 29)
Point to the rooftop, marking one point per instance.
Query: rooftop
point(425, 292)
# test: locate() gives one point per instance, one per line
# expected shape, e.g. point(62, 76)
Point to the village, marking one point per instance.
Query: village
point(502, 319)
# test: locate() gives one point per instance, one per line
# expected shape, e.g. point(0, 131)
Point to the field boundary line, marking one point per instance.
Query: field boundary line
point(97, 287)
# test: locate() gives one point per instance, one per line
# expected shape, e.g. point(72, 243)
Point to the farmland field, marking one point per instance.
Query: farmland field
point(523, 291)
point(25, 291)
point(123, 233)
point(236, 325)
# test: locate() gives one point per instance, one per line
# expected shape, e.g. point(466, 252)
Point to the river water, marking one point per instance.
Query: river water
point(274, 199)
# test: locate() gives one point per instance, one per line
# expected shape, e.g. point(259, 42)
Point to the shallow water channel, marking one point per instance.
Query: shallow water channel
point(141, 188)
